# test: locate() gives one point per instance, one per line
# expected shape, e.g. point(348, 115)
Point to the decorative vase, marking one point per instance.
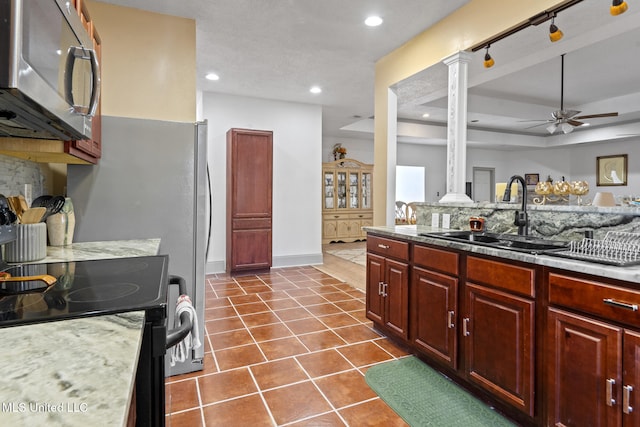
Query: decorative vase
point(61, 226)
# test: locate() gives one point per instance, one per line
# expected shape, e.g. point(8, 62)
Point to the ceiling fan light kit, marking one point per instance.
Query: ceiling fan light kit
point(618, 7)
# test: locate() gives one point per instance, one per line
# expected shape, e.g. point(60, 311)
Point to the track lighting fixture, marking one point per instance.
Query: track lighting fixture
point(488, 60)
point(618, 7)
point(554, 32)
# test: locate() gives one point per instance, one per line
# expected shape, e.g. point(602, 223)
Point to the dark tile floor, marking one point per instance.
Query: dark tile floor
point(285, 348)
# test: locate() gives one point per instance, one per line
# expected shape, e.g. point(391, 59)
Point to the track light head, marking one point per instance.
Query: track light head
point(488, 60)
point(618, 7)
point(554, 32)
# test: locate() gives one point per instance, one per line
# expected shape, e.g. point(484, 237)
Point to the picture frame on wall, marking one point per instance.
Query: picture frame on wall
point(531, 178)
point(611, 170)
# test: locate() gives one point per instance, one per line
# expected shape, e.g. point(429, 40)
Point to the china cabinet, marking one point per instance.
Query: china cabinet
point(346, 200)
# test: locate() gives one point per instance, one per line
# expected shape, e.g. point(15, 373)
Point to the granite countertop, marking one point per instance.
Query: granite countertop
point(83, 251)
point(412, 233)
point(81, 374)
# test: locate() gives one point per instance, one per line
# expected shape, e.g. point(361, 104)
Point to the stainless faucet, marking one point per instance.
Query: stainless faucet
point(522, 219)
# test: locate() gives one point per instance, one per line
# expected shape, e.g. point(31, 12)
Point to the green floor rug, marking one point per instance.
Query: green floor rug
point(423, 397)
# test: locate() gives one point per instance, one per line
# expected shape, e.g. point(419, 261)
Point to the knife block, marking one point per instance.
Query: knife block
point(30, 244)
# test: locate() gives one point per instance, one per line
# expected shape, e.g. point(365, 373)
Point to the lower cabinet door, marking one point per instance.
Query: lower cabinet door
point(434, 299)
point(631, 379)
point(251, 249)
point(498, 333)
point(396, 295)
point(584, 371)
point(375, 282)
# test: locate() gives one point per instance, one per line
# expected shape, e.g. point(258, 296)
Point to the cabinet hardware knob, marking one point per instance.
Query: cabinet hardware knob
point(626, 399)
point(610, 400)
point(614, 303)
point(381, 246)
point(451, 324)
point(465, 327)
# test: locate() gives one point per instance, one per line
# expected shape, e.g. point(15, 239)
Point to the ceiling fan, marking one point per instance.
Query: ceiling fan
point(567, 120)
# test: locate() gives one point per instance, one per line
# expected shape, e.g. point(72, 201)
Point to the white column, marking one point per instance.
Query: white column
point(457, 129)
point(392, 150)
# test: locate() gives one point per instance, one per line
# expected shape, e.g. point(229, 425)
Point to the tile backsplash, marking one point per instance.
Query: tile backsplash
point(14, 173)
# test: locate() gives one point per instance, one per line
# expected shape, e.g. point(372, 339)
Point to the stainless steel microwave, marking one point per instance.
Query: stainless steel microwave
point(49, 71)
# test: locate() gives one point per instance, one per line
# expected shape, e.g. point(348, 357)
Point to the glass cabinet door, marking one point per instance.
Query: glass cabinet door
point(354, 190)
point(342, 189)
point(328, 190)
point(366, 190)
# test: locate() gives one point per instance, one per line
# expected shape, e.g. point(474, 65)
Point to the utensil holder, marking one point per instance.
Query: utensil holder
point(30, 244)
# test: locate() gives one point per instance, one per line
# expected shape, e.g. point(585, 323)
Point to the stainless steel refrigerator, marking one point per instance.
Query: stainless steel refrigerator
point(151, 182)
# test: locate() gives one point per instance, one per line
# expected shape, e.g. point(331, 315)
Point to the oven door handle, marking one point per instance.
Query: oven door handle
point(174, 336)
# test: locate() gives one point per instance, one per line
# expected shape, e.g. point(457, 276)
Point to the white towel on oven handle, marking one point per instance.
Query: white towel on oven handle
point(192, 340)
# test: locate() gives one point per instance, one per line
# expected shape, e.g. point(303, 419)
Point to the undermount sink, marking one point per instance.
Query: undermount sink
point(529, 244)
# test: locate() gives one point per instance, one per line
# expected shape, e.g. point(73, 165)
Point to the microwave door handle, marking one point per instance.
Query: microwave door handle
point(95, 92)
point(68, 76)
point(81, 53)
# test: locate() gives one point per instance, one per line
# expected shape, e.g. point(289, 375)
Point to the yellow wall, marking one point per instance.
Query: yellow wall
point(477, 21)
point(148, 63)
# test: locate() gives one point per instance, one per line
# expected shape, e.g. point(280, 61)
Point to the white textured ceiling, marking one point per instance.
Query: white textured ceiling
point(278, 49)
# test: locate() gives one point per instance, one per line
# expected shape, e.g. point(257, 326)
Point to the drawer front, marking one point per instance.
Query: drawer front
point(608, 301)
point(251, 223)
point(500, 275)
point(332, 217)
point(361, 216)
point(388, 247)
point(436, 259)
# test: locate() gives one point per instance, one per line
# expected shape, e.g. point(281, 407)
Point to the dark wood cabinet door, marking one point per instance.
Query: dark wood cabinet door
point(396, 295)
point(499, 344)
point(434, 299)
point(252, 174)
point(249, 195)
point(375, 281)
point(631, 379)
point(584, 371)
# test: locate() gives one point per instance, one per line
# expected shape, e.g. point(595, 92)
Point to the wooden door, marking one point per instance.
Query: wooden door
point(375, 281)
point(631, 379)
point(434, 299)
point(499, 344)
point(396, 295)
point(584, 371)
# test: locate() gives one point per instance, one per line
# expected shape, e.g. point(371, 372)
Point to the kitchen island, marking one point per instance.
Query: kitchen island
point(521, 331)
point(76, 372)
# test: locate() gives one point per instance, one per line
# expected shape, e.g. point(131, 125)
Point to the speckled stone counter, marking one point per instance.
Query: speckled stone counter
point(101, 250)
point(412, 233)
point(562, 222)
point(81, 374)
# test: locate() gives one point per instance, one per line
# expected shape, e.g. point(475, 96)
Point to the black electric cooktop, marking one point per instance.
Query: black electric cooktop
point(85, 288)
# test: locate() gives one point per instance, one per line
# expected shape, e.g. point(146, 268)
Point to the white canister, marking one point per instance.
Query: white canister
point(30, 244)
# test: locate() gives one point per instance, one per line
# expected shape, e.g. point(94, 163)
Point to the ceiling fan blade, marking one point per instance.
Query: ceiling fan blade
point(573, 122)
point(545, 121)
point(595, 116)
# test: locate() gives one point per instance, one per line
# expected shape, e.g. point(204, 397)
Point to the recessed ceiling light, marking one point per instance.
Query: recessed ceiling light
point(212, 76)
point(315, 89)
point(425, 115)
point(373, 21)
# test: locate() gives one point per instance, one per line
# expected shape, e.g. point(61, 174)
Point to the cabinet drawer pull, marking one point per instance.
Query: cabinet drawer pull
point(626, 399)
point(612, 302)
point(381, 246)
point(465, 327)
point(451, 324)
point(380, 287)
point(610, 400)
point(384, 289)
point(336, 216)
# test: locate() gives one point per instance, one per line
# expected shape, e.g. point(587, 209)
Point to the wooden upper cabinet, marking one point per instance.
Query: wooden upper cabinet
point(249, 199)
point(89, 150)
